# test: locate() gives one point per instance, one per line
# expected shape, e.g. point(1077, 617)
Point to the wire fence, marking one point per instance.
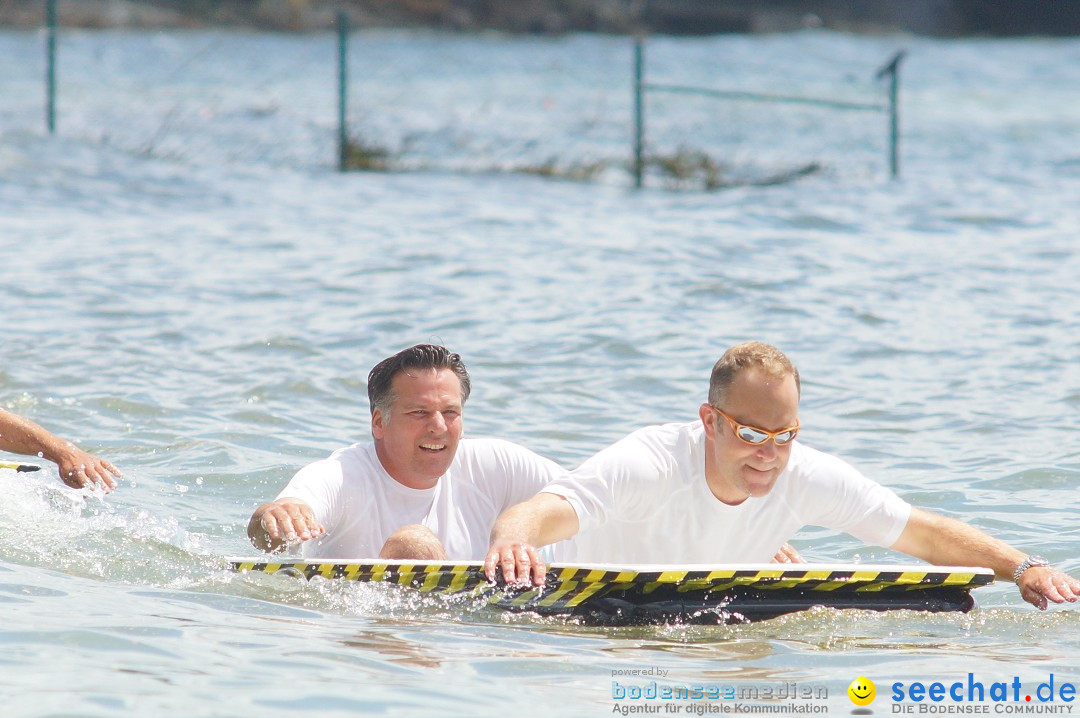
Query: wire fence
point(562, 107)
point(890, 106)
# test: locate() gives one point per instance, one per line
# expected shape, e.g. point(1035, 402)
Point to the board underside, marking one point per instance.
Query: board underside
point(618, 595)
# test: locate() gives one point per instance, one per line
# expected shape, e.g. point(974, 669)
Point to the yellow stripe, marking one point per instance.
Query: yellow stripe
point(557, 596)
point(958, 579)
point(522, 599)
point(670, 577)
point(405, 574)
point(587, 590)
point(831, 585)
point(432, 574)
point(865, 575)
point(568, 574)
point(461, 576)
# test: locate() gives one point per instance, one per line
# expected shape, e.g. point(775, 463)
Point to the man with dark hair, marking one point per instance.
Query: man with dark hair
point(420, 491)
point(78, 469)
point(732, 486)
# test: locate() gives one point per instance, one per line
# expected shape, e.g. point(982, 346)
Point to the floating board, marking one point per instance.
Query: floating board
point(617, 594)
point(20, 468)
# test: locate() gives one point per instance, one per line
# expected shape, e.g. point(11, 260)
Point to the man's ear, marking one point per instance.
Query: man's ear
point(706, 413)
point(378, 424)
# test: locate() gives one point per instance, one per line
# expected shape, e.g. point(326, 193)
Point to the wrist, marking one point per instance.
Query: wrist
point(1029, 562)
point(55, 449)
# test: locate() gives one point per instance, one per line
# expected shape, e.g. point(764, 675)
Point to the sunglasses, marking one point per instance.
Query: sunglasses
point(755, 436)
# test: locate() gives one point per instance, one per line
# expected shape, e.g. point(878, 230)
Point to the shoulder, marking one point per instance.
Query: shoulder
point(497, 453)
point(814, 463)
point(659, 444)
point(487, 446)
point(348, 461)
point(672, 433)
point(817, 476)
point(651, 454)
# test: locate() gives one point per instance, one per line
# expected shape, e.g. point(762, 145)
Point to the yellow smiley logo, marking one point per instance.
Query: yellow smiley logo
point(862, 691)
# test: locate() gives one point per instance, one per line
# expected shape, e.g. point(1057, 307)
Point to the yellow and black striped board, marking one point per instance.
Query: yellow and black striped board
point(617, 594)
point(17, 467)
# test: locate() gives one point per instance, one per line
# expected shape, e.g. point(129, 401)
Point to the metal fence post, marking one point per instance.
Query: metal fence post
point(892, 69)
point(639, 112)
point(343, 78)
point(50, 66)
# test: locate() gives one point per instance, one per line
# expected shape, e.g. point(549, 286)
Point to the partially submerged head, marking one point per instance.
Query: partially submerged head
point(750, 420)
point(417, 397)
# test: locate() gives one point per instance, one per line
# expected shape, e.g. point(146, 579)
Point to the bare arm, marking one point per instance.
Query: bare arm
point(543, 519)
point(78, 468)
point(279, 523)
point(941, 540)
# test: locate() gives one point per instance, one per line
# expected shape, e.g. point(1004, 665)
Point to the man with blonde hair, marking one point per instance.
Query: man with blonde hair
point(732, 487)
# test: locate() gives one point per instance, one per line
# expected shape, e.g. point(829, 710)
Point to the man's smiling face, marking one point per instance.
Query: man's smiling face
point(416, 440)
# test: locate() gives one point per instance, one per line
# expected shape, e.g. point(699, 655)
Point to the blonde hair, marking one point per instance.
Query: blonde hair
point(749, 355)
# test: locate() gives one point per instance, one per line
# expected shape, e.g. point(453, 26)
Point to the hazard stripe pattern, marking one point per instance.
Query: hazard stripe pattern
point(568, 587)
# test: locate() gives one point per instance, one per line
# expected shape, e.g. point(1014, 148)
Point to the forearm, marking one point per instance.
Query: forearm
point(22, 436)
point(945, 541)
point(542, 520)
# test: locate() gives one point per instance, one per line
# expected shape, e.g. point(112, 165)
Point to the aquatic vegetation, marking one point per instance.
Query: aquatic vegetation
point(361, 154)
point(692, 169)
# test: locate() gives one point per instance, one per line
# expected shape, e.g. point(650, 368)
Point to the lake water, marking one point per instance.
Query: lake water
point(192, 291)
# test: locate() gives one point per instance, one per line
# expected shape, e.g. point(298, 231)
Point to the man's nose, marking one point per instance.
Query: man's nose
point(438, 422)
point(768, 449)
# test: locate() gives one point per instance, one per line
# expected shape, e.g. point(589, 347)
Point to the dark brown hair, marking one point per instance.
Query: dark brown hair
point(422, 356)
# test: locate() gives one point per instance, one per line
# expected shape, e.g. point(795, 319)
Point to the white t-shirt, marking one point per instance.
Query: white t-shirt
point(645, 500)
point(361, 505)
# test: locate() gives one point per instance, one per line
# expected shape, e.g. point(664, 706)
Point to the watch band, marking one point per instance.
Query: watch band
point(1027, 563)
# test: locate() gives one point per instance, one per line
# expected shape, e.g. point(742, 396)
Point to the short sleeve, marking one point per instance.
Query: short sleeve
point(621, 481)
point(318, 485)
point(833, 494)
point(512, 473)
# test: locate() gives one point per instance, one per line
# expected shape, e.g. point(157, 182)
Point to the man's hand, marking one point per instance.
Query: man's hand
point(788, 554)
point(276, 525)
point(543, 519)
point(1040, 584)
point(518, 560)
point(80, 469)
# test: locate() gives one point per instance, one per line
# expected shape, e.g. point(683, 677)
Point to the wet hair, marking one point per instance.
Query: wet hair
point(422, 356)
point(750, 355)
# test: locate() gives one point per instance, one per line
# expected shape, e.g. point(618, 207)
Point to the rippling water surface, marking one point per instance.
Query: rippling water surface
point(192, 292)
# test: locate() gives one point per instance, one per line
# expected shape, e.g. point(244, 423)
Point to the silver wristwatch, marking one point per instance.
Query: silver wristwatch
point(1026, 564)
